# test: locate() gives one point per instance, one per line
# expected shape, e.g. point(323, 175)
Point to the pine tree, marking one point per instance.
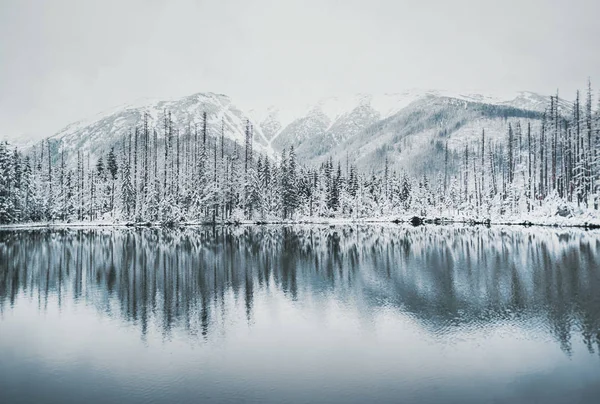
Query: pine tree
point(289, 183)
point(6, 178)
point(50, 190)
point(590, 146)
point(510, 149)
point(113, 169)
point(127, 192)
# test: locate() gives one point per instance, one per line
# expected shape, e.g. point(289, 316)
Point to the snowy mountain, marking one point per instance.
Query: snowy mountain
point(535, 102)
point(414, 139)
point(99, 133)
point(367, 128)
point(270, 121)
point(407, 128)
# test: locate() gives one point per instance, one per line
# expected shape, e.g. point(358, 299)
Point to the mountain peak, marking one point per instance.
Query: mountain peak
point(318, 130)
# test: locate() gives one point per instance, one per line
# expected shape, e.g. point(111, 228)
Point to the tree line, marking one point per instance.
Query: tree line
point(549, 165)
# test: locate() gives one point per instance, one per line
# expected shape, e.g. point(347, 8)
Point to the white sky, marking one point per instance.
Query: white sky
point(63, 60)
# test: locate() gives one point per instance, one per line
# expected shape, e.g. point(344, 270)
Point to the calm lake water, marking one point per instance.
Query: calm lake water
point(345, 314)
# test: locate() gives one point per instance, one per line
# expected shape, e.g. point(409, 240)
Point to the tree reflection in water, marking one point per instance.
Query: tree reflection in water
point(447, 278)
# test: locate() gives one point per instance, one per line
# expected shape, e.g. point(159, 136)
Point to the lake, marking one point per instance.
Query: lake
point(300, 314)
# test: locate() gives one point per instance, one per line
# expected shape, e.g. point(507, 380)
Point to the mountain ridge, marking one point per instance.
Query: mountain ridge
point(330, 126)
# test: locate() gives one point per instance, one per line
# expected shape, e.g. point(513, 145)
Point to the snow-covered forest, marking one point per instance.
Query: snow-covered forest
point(548, 168)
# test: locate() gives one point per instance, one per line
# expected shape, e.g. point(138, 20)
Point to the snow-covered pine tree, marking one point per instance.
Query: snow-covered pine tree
point(113, 170)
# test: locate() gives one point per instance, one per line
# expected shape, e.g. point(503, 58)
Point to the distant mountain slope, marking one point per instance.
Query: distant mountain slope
point(409, 128)
point(367, 128)
point(99, 133)
point(414, 139)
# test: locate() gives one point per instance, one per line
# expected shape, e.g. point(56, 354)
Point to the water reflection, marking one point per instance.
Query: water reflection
point(448, 279)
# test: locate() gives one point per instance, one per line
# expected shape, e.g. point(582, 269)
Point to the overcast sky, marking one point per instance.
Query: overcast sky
point(62, 60)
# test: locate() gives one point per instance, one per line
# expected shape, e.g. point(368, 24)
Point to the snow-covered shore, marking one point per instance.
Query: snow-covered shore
point(590, 222)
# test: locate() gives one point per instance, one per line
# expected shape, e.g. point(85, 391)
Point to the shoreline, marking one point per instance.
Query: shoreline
point(412, 221)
